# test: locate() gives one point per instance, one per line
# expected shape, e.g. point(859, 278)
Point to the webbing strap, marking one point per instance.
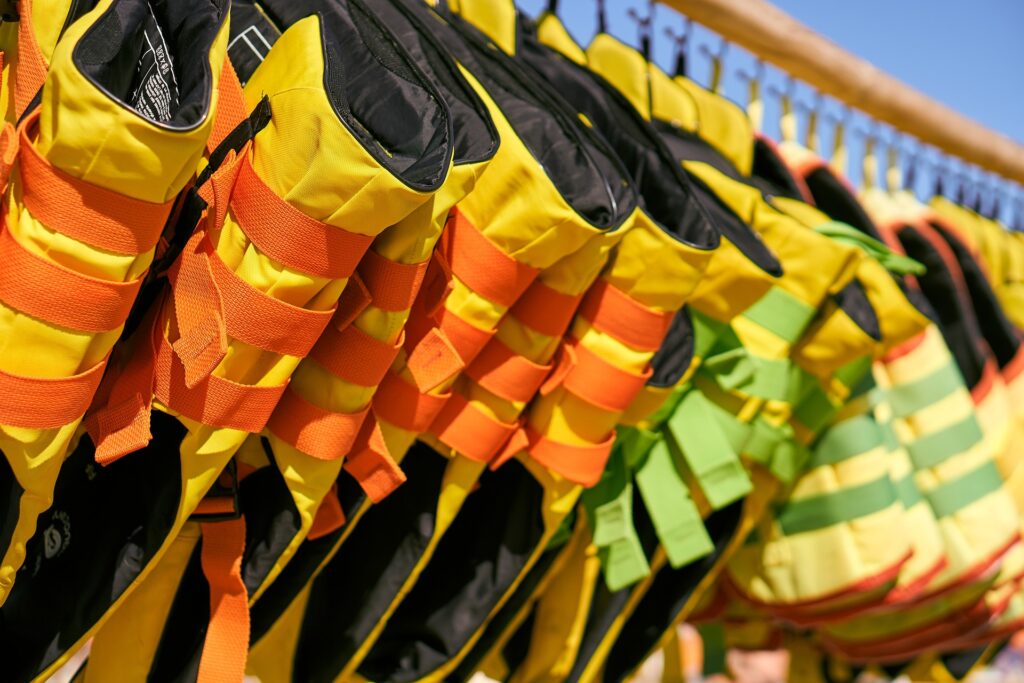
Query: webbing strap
point(31, 72)
point(316, 431)
point(675, 516)
point(546, 310)
point(845, 505)
point(226, 647)
point(610, 510)
point(371, 464)
point(953, 496)
point(911, 397)
point(847, 439)
point(597, 381)
point(781, 313)
point(93, 215)
point(231, 109)
point(579, 463)
point(289, 236)
point(46, 290)
point(47, 403)
point(691, 429)
point(433, 361)
point(935, 448)
point(354, 356)
point(400, 403)
point(467, 429)
point(908, 491)
point(776, 447)
point(507, 374)
point(393, 286)
point(615, 313)
point(467, 339)
point(481, 264)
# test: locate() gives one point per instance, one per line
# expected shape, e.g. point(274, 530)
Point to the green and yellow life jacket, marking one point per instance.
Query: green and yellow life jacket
point(217, 368)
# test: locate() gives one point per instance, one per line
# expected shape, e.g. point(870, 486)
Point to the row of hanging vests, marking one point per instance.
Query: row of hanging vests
point(369, 340)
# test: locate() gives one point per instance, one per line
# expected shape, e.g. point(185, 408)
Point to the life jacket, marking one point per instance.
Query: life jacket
point(571, 221)
point(213, 391)
point(296, 487)
point(98, 249)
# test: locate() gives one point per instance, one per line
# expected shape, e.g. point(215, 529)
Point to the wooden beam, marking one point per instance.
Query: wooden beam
point(779, 39)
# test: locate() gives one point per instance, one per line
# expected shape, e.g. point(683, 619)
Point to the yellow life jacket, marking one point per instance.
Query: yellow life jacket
point(216, 371)
point(293, 493)
point(82, 225)
point(585, 200)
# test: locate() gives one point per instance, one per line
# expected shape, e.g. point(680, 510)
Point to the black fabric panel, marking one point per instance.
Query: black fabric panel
point(483, 552)
point(105, 525)
point(12, 494)
point(667, 595)
point(378, 91)
point(769, 168)
point(663, 185)
point(997, 329)
point(299, 571)
point(181, 643)
point(606, 605)
point(111, 49)
point(959, 664)
point(252, 34)
point(955, 317)
point(356, 587)
point(585, 172)
point(854, 301)
point(499, 625)
point(834, 198)
point(673, 359)
point(271, 522)
point(476, 137)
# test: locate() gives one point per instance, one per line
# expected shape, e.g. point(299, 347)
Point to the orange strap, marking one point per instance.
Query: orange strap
point(393, 286)
point(467, 429)
point(546, 310)
point(371, 464)
point(467, 339)
point(101, 218)
point(31, 72)
point(354, 356)
point(507, 374)
point(481, 265)
point(614, 312)
point(46, 290)
point(580, 464)
point(315, 431)
point(401, 404)
point(215, 400)
point(217, 190)
point(329, 516)
point(226, 647)
point(231, 108)
point(8, 147)
point(600, 383)
point(289, 236)
point(433, 361)
point(354, 300)
point(47, 403)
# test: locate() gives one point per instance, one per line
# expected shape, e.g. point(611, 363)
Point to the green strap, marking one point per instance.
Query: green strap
point(610, 509)
point(846, 440)
point(776, 447)
point(815, 411)
point(635, 442)
point(935, 448)
point(707, 451)
point(908, 492)
point(953, 496)
point(773, 379)
point(781, 313)
point(893, 262)
point(845, 505)
point(889, 437)
point(706, 333)
point(675, 516)
point(907, 399)
point(712, 635)
point(854, 373)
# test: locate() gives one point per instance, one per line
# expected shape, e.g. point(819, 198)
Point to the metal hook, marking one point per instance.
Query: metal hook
point(602, 17)
point(717, 57)
point(643, 26)
point(681, 41)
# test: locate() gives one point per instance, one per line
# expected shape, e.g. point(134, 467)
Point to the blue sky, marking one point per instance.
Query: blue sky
point(967, 55)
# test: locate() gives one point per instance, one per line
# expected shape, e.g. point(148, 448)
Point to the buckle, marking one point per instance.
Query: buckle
point(220, 504)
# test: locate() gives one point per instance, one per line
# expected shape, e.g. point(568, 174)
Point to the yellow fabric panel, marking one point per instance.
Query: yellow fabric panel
point(723, 124)
point(495, 18)
point(622, 66)
point(552, 32)
point(272, 658)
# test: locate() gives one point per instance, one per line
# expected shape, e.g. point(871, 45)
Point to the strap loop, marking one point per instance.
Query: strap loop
point(614, 312)
point(393, 286)
point(47, 403)
point(316, 431)
point(226, 647)
point(471, 432)
point(354, 356)
point(601, 383)
point(507, 374)
point(546, 310)
point(401, 404)
point(371, 463)
point(582, 464)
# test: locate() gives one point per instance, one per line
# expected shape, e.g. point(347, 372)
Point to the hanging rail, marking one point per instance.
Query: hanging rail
point(774, 36)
